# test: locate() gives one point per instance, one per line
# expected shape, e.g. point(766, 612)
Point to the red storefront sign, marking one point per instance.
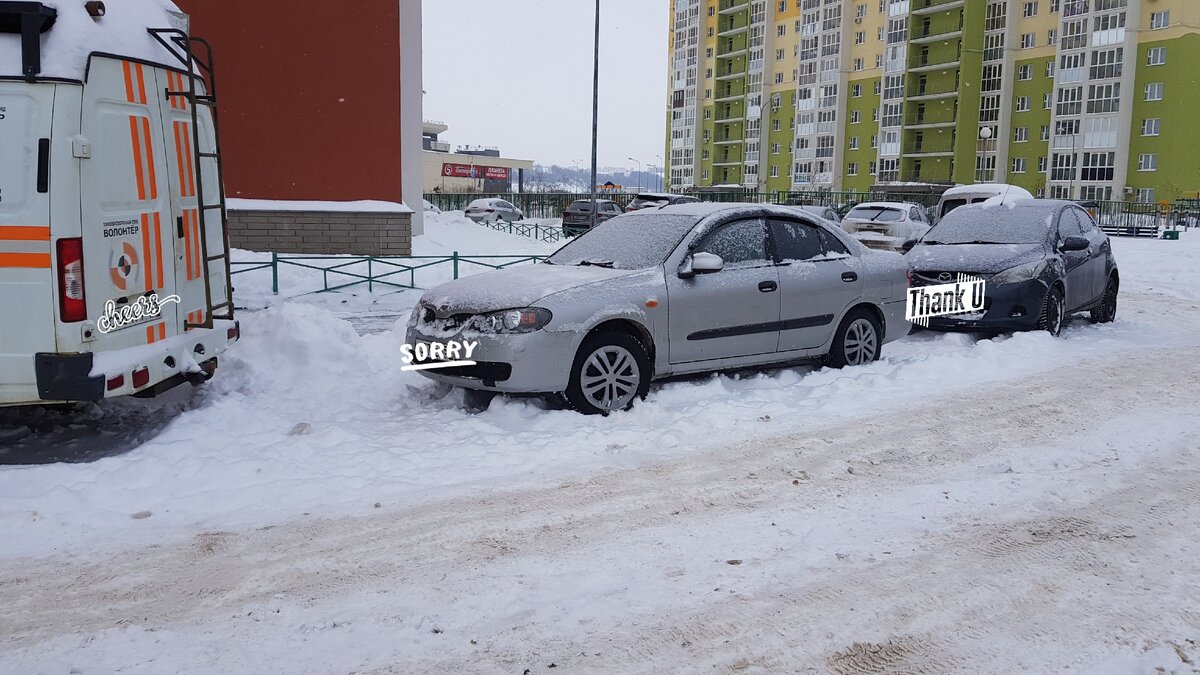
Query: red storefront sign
point(476, 171)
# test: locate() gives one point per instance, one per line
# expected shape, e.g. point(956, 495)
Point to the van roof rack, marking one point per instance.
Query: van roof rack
point(29, 20)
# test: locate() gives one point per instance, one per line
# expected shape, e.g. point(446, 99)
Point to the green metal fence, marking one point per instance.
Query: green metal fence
point(387, 272)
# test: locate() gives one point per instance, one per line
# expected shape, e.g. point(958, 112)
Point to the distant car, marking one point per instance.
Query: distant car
point(577, 218)
point(493, 210)
point(962, 195)
point(650, 200)
point(430, 207)
point(1041, 259)
point(826, 212)
point(664, 292)
point(886, 226)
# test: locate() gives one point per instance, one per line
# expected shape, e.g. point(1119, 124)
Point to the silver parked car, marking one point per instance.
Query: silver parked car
point(493, 210)
point(887, 226)
point(663, 292)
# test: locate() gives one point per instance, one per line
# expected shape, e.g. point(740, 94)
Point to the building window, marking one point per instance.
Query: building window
point(1098, 166)
point(1050, 68)
point(1145, 196)
point(1020, 134)
point(708, 113)
point(856, 91)
point(775, 125)
point(855, 116)
point(854, 142)
point(1070, 101)
point(1023, 104)
point(781, 30)
point(775, 149)
point(1159, 20)
point(1045, 132)
point(1104, 98)
point(1154, 91)
point(1047, 101)
point(1025, 72)
point(1052, 37)
point(860, 38)
point(871, 167)
point(1018, 165)
point(1147, 162)
point(859, 65)
point(1030, 9)
point(852, 169)
point(1151, 126)
point(1156, 56)
point(1054, 4)
point(874, 114)
point(1028, 40)
point(778, 78)
point(1042, 165)
point(874, 145)
point(774, 171)
point(1107, 64)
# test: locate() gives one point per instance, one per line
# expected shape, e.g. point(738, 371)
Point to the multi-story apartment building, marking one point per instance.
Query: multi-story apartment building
point(1086, 99)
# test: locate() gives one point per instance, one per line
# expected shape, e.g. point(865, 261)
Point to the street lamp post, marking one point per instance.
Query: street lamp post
point(595, 109)
point(639, 172)
point(662, 183)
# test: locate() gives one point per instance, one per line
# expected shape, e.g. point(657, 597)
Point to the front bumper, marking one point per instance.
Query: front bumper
point(1007, 308)
point(528, 363)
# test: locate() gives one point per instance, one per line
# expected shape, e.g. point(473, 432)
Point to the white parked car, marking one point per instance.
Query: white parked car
point(887, 226)
point(430, 206)
point(961, 195)
point(493, 210)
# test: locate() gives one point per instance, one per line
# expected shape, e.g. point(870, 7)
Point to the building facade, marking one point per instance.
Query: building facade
point(1083, 99)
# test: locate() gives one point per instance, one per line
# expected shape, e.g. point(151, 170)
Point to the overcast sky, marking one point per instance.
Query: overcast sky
point(518, 75)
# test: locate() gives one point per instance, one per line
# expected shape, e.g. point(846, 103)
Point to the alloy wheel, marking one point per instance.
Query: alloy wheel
point(610, 378)
point(861, 343)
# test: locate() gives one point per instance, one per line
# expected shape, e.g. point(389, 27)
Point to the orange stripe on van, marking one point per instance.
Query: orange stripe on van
point(198, 247)
point(187, 147)
point(150, 335)
point(37, 261)
point(179, 160)
point(150, 157)
point(158, 250)
point(141, 81)
point(126, 66)
point(23, 233)
point(135, 135)
point(187, 243)
point(162, 331)
point(146, 257)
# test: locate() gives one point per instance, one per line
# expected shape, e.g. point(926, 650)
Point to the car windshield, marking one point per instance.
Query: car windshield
point(878, 214)
point(1000, 224)
point(630, 242)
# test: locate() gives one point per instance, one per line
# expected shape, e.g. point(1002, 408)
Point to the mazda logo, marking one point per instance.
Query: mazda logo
point(945, 276)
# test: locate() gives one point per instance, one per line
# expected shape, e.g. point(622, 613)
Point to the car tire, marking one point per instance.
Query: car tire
point(1106, 311)
point(858, 341)
point(1054, 314)
point(612, 369)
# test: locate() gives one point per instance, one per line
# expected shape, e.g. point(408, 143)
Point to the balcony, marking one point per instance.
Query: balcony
point(737, 117)
point(920, 7)
point(929, 93)
point(938, 145)
point(918, 39)
point(932, 62)
point(928, 121)
point(731, 6)
point(733, 26)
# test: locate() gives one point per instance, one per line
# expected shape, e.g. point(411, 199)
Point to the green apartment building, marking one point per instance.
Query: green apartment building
point(1082, 99)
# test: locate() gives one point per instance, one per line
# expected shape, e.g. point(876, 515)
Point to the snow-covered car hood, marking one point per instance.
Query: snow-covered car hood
point(979, 258)
point(513, 287)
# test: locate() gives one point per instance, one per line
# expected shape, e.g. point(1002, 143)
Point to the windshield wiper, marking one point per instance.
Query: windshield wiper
point(547, 262)
point(596, 263)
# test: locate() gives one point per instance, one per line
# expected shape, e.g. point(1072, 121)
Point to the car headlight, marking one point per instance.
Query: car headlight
point(1020, 273)
point(525, 320)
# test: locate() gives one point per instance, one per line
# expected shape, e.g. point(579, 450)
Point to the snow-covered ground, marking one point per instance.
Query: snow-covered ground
point(1017, 504)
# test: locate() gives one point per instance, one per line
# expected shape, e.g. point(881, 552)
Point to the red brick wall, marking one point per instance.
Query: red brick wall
point(309, 96)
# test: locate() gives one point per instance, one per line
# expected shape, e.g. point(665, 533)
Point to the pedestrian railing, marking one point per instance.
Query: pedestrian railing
point(393, 273)
point(537, 231)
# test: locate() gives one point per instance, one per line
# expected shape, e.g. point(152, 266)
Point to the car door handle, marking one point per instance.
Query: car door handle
point(849, 276)
point(768, 286)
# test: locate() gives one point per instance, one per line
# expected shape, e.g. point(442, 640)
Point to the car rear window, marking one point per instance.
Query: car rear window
point(878, 214)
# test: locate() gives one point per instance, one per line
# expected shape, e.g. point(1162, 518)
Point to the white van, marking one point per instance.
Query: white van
point(961, 195)
point(114, 266)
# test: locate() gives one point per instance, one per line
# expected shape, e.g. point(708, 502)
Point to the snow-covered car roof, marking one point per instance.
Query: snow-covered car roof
point(75, 36)
point(887, 205)
point(985, 188)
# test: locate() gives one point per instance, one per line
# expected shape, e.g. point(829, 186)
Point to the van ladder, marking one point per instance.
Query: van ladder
point(200, 71)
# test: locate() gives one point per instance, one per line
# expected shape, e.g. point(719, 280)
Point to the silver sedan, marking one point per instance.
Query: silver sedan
point(665, 292)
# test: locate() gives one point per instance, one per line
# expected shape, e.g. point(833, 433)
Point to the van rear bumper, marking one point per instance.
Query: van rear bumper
point(191, 356)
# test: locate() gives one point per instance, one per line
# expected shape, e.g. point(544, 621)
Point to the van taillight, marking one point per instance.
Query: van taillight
point(71, 302)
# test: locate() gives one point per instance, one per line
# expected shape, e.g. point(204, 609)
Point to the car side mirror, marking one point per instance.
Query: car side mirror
point(707, 263)
point(1074, 243)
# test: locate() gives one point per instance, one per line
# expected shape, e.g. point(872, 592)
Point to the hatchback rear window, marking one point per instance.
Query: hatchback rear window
point(877, 214)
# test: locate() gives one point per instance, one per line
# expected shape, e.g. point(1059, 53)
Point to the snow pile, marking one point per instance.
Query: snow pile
point(76, 35)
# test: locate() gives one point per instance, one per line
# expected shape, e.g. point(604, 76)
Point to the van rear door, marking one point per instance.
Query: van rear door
point(27, 297)
point(129, 231)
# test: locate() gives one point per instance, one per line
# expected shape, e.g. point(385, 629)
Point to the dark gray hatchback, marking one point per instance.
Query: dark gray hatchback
point(1041, 259)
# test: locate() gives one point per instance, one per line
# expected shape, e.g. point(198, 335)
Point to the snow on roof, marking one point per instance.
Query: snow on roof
point(365, 206)
point(76, 35)
point(886, 205)
point(990, 188)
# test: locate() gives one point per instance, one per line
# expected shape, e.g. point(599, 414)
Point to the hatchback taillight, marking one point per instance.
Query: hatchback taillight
point(72, 303)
